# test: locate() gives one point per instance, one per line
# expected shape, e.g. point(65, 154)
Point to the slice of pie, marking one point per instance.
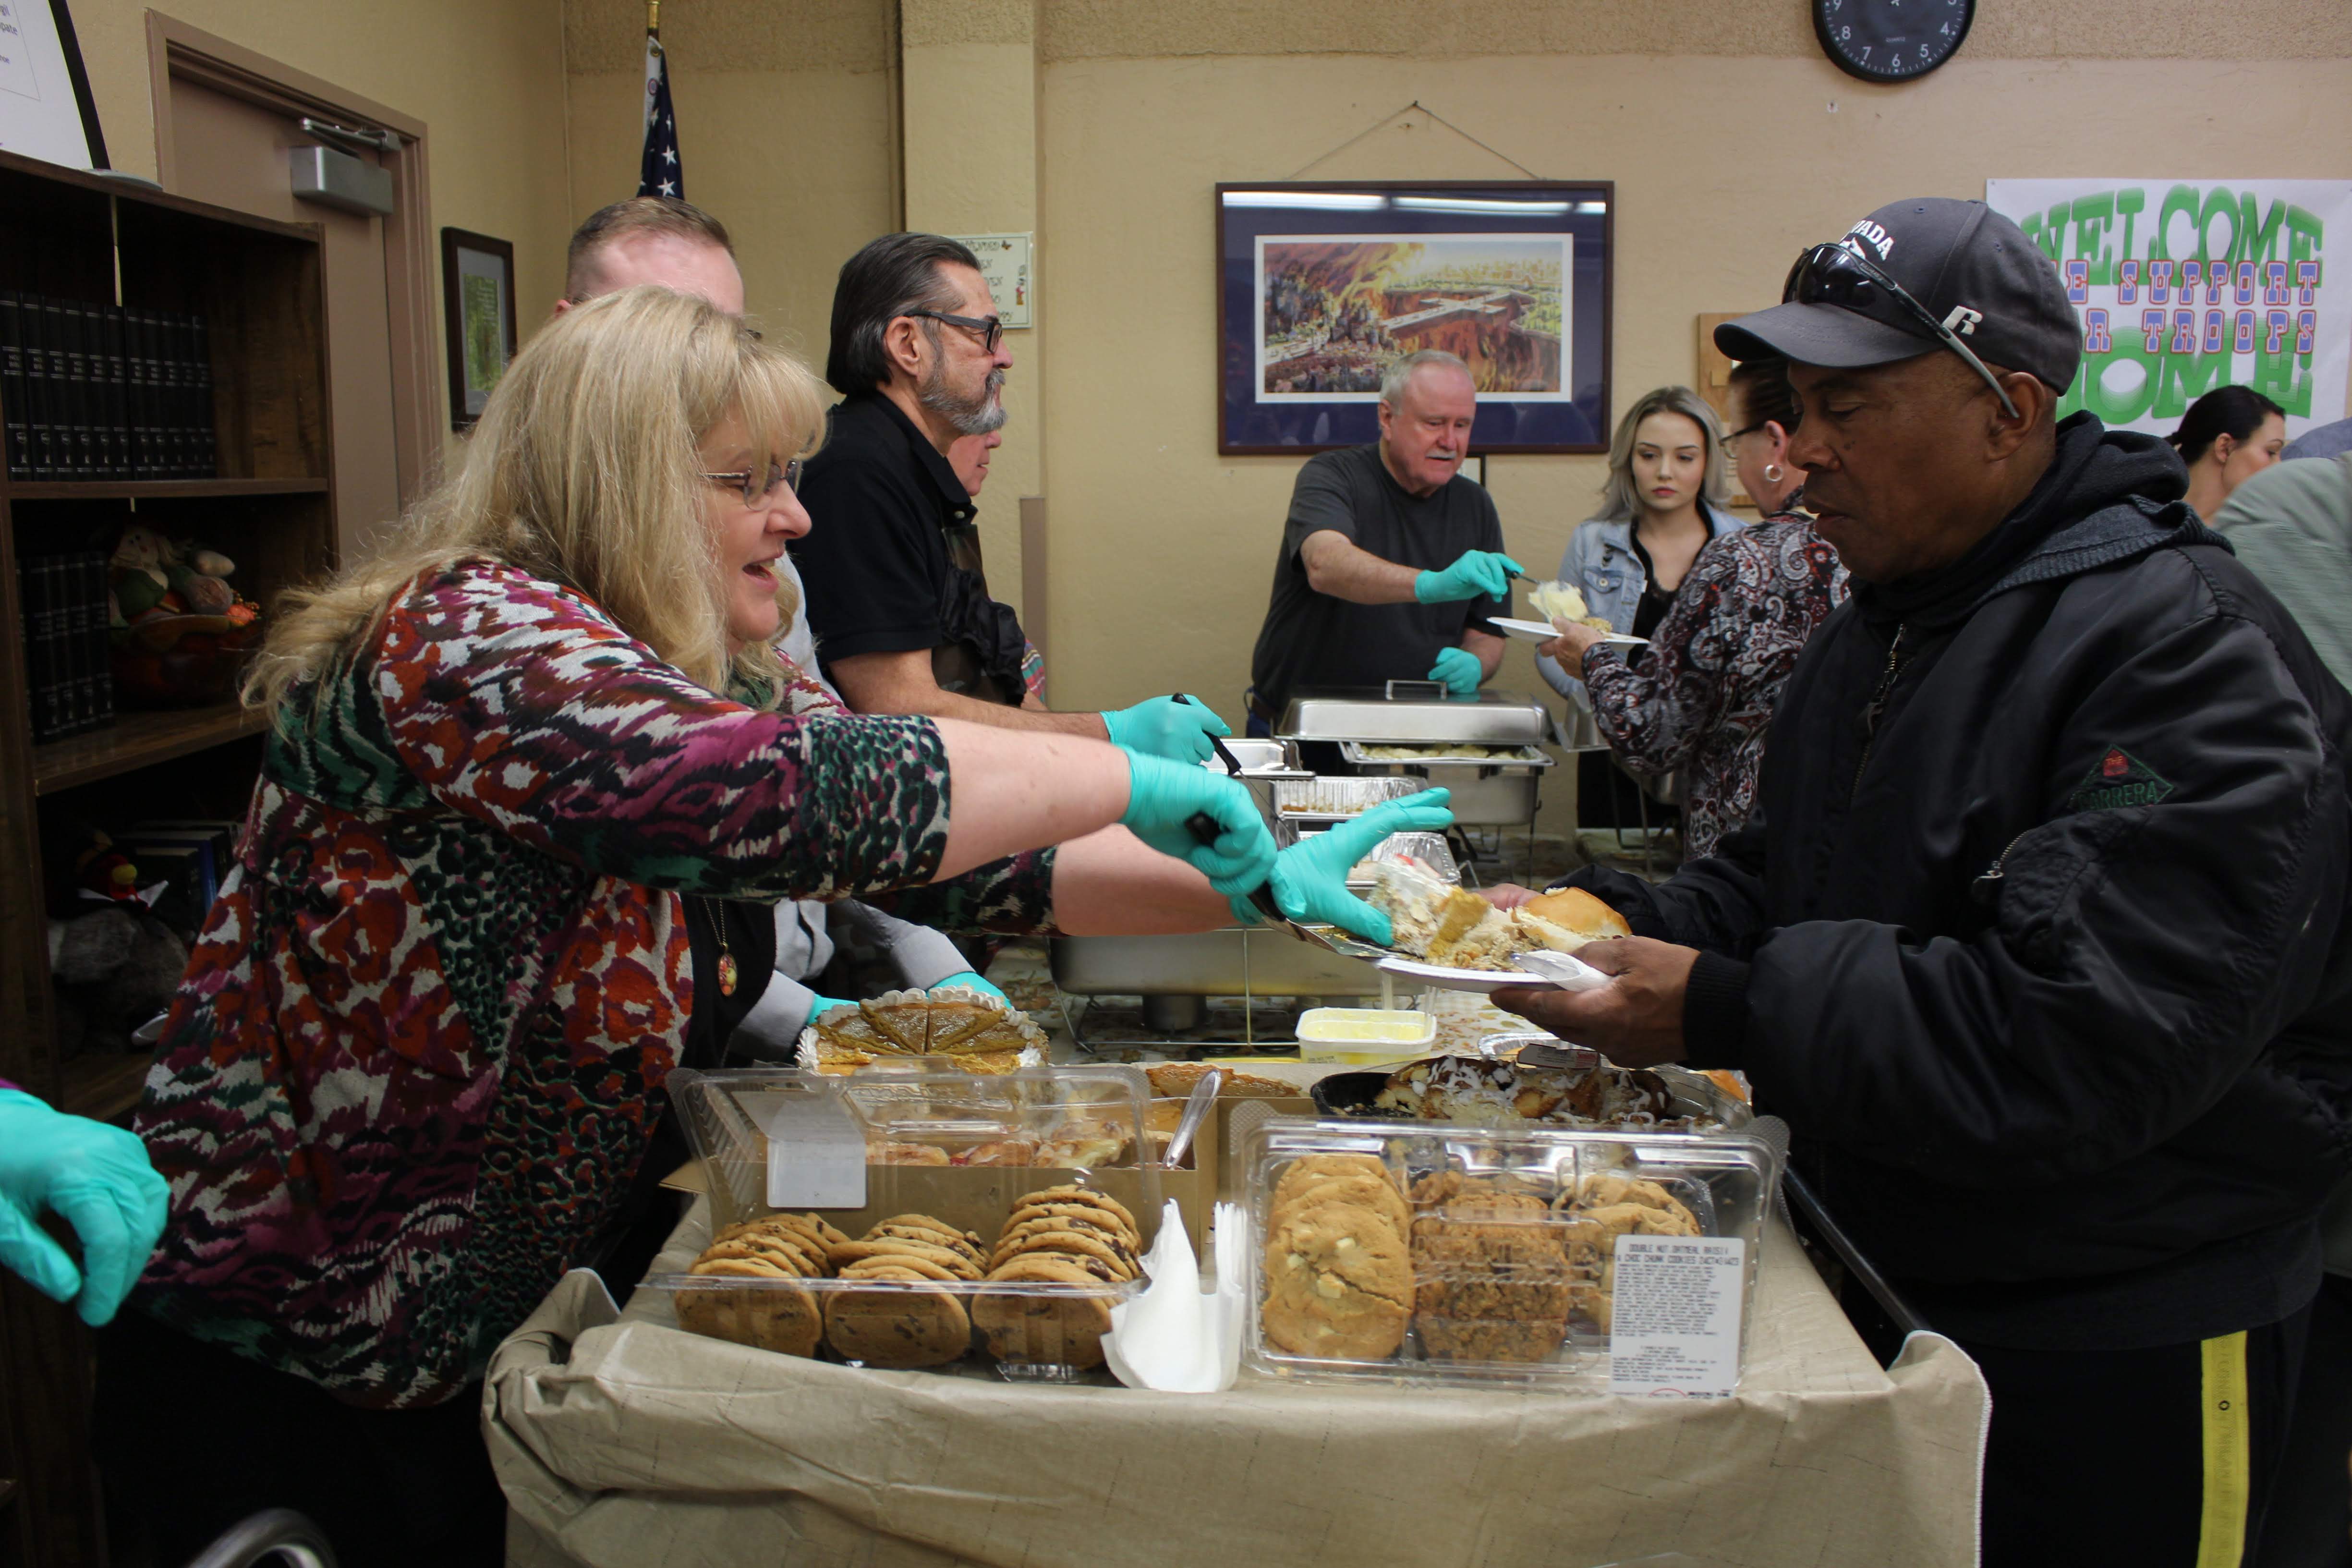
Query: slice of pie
point(901, 1018)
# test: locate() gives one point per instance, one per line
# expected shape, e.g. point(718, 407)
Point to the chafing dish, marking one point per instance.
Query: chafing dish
point(1485, 791)
point(1416, 713)
point(1488, 792)
point(1260, 962)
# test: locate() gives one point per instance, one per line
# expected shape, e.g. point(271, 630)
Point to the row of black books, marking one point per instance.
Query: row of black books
point(104, 391)
point(66, 667)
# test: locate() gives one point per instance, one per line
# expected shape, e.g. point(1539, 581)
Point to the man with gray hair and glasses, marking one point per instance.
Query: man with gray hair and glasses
point(1391, 561)
point(896, 593)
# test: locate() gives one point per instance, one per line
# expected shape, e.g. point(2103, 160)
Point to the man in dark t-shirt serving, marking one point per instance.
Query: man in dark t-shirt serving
point(1391, 561)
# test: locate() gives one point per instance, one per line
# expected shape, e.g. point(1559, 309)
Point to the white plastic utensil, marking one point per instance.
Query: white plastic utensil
point(1197, 1106)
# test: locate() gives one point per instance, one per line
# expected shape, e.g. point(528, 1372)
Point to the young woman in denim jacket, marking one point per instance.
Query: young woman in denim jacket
point(1662, 503)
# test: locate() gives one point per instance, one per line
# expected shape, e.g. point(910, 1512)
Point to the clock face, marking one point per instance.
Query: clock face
point(1891, 40)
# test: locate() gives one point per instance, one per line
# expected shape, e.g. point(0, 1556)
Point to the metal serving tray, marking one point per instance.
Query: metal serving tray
point(1415, 712)
point(1261, 961)
point(1265, 763)
point(1493, 792)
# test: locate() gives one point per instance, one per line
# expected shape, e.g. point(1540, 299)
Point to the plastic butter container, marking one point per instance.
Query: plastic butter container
point(1581, 1262)
point(869, 1217)
point(1364, 1037)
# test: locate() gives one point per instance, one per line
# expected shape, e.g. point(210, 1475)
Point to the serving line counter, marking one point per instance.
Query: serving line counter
point(622, 1440)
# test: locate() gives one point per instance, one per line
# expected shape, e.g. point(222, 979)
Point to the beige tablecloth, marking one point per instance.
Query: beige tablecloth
point(625, 1442)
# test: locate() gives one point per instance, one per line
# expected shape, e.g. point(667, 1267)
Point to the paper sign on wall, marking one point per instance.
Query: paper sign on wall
point(40, 113)
point(1004, 262)
point(1673, 1322)
point(2181, 286)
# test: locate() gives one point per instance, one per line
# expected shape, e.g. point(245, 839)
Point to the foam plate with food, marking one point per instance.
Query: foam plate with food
point(1450, 938)
point(1544, 631)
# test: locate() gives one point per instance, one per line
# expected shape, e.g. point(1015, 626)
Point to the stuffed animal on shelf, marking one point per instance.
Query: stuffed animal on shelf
point(149, 576)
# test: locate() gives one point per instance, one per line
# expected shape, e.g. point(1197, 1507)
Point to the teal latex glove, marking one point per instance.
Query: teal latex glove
point(97, 1179)
point(1311, 878)
point(1460, 669)
point(1162, 797)
point(970, 981)
point(1164, 727)
point(1475, 575)
point(820, 1006)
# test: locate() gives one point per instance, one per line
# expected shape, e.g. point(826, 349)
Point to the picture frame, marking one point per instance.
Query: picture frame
point(47, 111)
point(477, 303)
point(1321, 284)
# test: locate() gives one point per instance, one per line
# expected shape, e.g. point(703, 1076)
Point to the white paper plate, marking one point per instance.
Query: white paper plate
point(1544, 970)
point(1544, 631)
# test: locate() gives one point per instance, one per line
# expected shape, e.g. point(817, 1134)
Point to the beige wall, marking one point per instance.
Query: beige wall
point(1162, 552)
point(787, 130)
point(486, 79)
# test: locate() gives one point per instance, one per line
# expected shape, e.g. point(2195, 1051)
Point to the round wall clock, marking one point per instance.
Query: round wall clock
point(1891, 40)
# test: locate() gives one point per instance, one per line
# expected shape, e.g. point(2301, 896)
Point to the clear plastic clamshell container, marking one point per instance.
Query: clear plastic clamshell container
point(1595, 1262)
point(1331, 798)
point(916, 1216)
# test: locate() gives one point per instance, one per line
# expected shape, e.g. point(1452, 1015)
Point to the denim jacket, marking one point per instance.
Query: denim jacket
point(1601, 562)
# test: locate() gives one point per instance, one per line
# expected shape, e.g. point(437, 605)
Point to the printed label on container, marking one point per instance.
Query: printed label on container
point(1674, 1326)
point(817, 1151)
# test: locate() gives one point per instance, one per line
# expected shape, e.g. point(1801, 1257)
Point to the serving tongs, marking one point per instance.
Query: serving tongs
point(1233, 768)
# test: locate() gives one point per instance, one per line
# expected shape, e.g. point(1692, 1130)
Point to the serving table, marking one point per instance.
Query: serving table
point(622, 1441)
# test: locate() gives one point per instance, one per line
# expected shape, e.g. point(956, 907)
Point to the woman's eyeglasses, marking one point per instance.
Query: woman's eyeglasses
point(758, 485)
point(990, 328)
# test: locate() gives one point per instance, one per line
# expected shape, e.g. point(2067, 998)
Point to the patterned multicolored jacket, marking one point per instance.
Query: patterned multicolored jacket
point(1703, 698)
point(418, 1050)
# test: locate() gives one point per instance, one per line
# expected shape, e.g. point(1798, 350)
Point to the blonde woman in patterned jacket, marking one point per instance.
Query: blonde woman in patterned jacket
point(1703, 698)
point(419, 1049)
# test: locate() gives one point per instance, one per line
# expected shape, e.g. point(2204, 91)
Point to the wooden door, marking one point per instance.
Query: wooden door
point(235, 153)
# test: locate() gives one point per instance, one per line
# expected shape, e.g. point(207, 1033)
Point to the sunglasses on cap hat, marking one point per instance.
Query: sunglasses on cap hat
point(1833, 274)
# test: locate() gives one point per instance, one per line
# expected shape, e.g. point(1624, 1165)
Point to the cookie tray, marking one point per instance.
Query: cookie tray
point(1576, 1261)
point(1030, 1330)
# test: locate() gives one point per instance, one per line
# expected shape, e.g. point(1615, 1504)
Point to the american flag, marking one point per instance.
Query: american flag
point(659, 172)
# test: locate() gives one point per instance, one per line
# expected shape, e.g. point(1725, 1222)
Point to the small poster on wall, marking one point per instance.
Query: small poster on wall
point(2182, 286)
point(1004, 263)
point(1321, 288)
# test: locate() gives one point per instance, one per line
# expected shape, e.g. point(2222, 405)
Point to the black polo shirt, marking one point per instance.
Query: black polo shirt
point(891, 561)
point(1311, 639)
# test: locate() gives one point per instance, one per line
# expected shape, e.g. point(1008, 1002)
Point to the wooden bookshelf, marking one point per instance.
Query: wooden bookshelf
point(162, 489)
point(137, 738)
point(258, 284)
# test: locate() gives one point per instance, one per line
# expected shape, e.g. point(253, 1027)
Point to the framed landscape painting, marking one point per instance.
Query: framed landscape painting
point(1321, 286)
point(477, 307)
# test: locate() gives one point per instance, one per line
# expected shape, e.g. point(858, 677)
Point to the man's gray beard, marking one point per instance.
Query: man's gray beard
point(970, 417)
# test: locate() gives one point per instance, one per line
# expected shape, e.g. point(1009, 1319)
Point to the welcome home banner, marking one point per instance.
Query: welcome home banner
point(2182, 286)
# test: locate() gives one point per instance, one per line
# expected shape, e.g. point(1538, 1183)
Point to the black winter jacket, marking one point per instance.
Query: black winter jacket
point(2039, 938)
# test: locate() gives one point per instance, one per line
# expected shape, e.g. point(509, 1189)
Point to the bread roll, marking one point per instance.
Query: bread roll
point(1567, 920)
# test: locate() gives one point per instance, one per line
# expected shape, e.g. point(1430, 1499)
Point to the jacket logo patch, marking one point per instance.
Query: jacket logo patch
point(2119, 779)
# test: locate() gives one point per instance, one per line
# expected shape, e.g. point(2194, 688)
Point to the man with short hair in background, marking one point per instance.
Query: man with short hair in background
point(898, 599)
point(1391, 561)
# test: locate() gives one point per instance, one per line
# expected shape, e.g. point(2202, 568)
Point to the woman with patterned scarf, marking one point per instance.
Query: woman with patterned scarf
point(419, 1051)
point(1702, 698)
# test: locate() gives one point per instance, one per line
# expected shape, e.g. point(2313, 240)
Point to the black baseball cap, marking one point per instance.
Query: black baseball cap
point(1970, 269)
